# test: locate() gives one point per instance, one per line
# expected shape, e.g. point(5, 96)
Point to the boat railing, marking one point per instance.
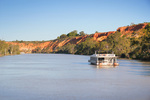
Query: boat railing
point(109, 55)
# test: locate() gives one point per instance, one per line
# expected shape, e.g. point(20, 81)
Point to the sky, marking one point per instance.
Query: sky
point(37, 20)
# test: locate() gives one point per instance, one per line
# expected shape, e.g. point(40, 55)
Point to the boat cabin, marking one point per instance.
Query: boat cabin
point(103, 59)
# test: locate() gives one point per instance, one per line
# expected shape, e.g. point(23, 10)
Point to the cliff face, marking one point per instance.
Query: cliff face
point(128, 30)
point(53, 45)
point(28, 47)
point(102, 36)
point(50, 45)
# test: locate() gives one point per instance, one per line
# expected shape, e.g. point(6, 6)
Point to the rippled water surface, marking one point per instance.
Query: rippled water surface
point(71, 77)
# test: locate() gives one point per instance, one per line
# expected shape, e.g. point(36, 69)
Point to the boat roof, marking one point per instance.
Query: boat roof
point(103, 55)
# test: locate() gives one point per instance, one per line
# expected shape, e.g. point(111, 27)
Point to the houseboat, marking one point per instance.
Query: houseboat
point(103, 59)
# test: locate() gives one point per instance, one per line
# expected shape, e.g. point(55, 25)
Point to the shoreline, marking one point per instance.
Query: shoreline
point(147, 60)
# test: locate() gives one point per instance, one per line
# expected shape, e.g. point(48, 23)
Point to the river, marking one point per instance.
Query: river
point(71, 77)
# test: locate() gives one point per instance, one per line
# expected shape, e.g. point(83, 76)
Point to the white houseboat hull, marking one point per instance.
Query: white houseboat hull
point(104, 60)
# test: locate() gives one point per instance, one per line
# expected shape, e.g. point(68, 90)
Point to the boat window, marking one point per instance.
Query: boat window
point(100, 58)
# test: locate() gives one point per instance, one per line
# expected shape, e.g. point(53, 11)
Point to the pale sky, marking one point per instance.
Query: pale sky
point(31, 20)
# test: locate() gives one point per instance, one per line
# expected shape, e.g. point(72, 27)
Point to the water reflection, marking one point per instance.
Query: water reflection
point(105, 67)
point(143, 69)
point(136, 67)
point(102, 67)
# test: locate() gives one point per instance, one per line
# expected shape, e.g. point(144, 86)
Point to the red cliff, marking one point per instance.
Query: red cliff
point(102, 36)
point(54, 44)
point(127, 30)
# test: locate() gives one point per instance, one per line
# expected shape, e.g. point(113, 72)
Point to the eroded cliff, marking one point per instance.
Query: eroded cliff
point(29, 47)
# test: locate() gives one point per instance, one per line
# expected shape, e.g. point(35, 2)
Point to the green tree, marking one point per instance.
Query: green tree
point(73, 33)
point(104, 46)
point(13, 49)
point(82, 33)
point(145, 44)
point(69, 48)
point(117, 43)
point(87, 47)
point(3, 48)
point(63, 36)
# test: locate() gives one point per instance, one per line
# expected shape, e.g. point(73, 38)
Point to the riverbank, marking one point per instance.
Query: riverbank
point(123, 58)
point(8, 49)
point(127, 42)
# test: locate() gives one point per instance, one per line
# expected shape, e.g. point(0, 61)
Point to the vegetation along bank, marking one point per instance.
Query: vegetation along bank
point(127, 42)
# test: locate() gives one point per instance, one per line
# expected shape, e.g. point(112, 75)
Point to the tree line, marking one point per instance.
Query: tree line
point(122, 46)
point(8, 49)
point(71, 34)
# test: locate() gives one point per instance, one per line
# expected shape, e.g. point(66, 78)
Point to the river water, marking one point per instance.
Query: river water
point(71, 77)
